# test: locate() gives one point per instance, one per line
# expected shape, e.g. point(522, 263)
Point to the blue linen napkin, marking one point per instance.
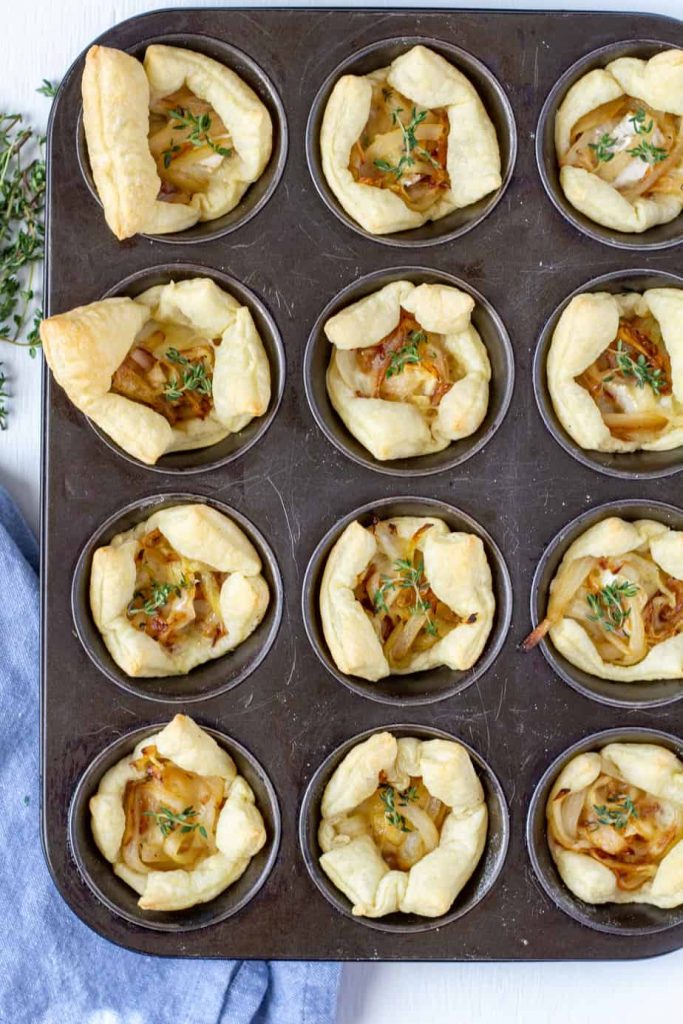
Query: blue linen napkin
point(53, 969)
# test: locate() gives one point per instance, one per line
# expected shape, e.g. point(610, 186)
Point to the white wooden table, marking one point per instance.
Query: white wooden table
point(40, 40)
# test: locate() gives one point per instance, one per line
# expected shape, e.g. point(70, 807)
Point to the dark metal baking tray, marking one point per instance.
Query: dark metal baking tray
point(294, 485)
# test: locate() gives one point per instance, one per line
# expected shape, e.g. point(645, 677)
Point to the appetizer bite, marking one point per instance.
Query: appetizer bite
point(615, 370)
point(616, 603)
point(615, 825)
point(619, 142)
point(403, 825)
point(175, 820)
point(171, 141)
point(179, 367)
point(408, 143)
point(177, 590)
point(405, 595)
point(409, 372)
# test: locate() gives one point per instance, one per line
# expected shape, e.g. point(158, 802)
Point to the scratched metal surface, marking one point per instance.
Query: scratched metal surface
point(293, 485)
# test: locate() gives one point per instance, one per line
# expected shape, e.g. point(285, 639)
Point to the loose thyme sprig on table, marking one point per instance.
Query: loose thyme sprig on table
point(195, 377)
point(607, 609)
point(168, 821)
point(198, 126)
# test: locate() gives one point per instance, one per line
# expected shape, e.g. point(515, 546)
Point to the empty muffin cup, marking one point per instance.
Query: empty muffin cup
point(639, 465)
point(484, 876)
point(493, 334)
point(260, 191)
point(614, 918)
point(378, 55)
point(210, 678)
point(662, 236)
point(434, 684)
point(617, 694)
point(235, 445)
point(117, 896)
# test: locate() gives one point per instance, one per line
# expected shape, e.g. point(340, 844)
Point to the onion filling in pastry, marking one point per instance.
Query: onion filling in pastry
point(188, 141)
point(403, 148)
point(619, 379)
point(619, 614)
point(406, 614)
point(171, 815)
point(615, 825)
point(170, 369)
point(404, 824)
point(174, 597)
point(634, 148)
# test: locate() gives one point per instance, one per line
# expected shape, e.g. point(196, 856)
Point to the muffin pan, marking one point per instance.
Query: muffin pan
point(283, 713)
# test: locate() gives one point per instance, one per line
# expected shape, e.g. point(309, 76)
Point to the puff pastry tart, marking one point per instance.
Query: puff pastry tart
point(173, 141)
point(619, 142)
point(408, 143)
point(405, 595)
point(409, 372)
point(175, 820)
point(615, 825)
point(181, 366)
point(403, 825)
point(616, 602)
point(177, 590)
point(615, 370)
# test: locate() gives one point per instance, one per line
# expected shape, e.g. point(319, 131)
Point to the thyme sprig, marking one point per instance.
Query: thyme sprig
point(3, 395)
point(603, 148)
point(607, 608)
point(638, 122)
point(649, 153)
point(168, 821)
point(195, 377)
point(388, 795)
point(642, 370)
point(408, 353)
point(198, 127)
point(409, 577)
point(617, 815)
point(409, 144)
point(160, 594)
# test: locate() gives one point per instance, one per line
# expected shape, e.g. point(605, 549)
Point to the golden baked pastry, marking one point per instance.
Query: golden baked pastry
point(619, 142)
point(615, 825)
point(615, 370)
point(408, 143)
point(181, 366)
point(177, 590)
point(409, 372)
point(403, 825)
point(616, 602)
point(171, 142)
point(175, 820)
point(405, 595)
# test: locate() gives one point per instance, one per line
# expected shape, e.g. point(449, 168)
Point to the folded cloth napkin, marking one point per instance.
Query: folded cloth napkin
point(53, 969)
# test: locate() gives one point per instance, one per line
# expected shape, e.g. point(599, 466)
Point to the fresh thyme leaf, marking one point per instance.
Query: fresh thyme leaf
point(160, 593)
point(409, 577)
point(387, 795)
point(195, 377)
point(607, 609)
point(48, 88)
point(168, 821)
point(649, 153)
point(408, 795)
point(618, 815)
point(198, 127)
point(409, 143)
point(643, 372)
point(603, 148)
point(638, 122)
point(408, 353)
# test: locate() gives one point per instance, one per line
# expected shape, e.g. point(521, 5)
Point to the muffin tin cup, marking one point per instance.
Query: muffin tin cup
point(614, 918)
point(494, 335)
point(638, 465)
point(435, 684)
point(234, 446)
point(620, 695)
point(661, 236)
point(211, 678)
point(260, 191)
point(483, 877)
point(378, 55)
point(119, 897)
